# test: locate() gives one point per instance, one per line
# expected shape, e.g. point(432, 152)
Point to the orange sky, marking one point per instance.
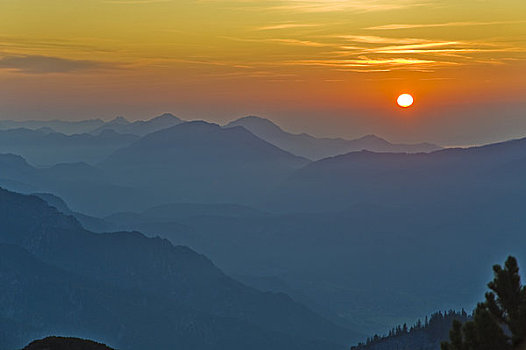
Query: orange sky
point(329, 67)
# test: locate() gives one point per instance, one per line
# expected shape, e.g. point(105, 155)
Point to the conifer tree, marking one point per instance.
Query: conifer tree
point(499, 323)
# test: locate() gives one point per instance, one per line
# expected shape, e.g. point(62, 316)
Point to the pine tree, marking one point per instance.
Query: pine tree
point(499, 323)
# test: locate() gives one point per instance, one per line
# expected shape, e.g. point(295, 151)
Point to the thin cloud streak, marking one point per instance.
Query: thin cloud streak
point(135, 2)
point(287, 26)
point(438, 25)
point(342, 5)
point(34, 64)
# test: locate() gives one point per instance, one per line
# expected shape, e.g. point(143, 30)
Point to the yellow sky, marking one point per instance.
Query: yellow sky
point(217, 59)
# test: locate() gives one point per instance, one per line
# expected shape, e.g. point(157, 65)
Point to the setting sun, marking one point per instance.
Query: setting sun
point(405, 100)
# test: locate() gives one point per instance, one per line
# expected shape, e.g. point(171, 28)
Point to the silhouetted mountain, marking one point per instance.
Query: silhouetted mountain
point(141, 127)
point(86, 189)
point(89, 222)
point(62, 126)
point(202, 162)
point(62, 343)
point(335, 223)
point(425, 335)
point(136, 292)
point(317, 148)
point(48, 148)
point(338, 182)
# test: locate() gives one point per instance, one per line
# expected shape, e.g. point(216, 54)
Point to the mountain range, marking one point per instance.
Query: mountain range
point(61, 126)
point(46, 143)
point(47, 148)
point(134, 292)
point(332, 224)
point(200, 161)
point(315, 230)
point(315, 148)
point(139, 128)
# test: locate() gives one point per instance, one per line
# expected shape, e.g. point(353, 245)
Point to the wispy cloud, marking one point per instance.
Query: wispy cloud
point(341, 5)
point(366, 63)
point(45, 64)
point(323, 6)
point(134, 2)
point(287, 26)
point(287, 41)
point(370, 39)
point(438, 25)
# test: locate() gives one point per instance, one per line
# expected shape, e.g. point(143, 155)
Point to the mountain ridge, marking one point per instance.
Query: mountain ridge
point(130, 261)
point(315, 148)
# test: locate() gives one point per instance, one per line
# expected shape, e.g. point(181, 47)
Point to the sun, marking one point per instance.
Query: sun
point(405, 100)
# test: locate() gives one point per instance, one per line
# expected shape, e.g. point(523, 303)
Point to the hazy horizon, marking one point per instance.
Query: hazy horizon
point(509, 126)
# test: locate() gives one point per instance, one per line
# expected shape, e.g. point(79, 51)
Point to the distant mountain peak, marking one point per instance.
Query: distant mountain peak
point(371, 137)
point(165, 116)
point(140, 127)
point(315, 148)
point(255, 121)
point(120, 120)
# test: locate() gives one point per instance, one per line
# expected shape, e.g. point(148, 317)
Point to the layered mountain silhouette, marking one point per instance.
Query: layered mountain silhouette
point(134, 292)
point(46, 147)
point(333, 224)
point(315, 230)
point(202, 162)
point(141, 127)
point(86, 189)
point(411, 179)
point(61, 126)
point(317, 148)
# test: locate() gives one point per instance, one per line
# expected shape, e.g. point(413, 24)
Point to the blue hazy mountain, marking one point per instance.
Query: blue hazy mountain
point(61, 126)
point(333, 224)
point(202, 162)
point(91, 223)
point(449, 175)
point(135, 292)
point(85, 188)
point(141, 127)
point(44, 147)
point(317, 148)
point(325, 227)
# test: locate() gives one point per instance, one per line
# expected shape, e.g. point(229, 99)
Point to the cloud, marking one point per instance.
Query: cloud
point(134, 2)
point(35, 64)
point(374, 64)
point(342, 5)
point(438, 25)
point(287, 26)
point(322, 6)
point(285, 41)
point(370, 39)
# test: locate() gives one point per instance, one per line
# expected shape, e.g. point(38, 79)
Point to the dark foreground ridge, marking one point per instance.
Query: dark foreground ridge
point(62, 343)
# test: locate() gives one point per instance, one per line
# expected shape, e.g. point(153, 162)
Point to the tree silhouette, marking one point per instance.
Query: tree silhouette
point(499, 323)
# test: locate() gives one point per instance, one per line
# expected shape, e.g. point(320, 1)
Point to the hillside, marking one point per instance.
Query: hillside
point(427, 335)
point(183, 293)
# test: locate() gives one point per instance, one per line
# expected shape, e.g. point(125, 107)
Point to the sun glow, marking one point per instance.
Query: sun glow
point(405, 100)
